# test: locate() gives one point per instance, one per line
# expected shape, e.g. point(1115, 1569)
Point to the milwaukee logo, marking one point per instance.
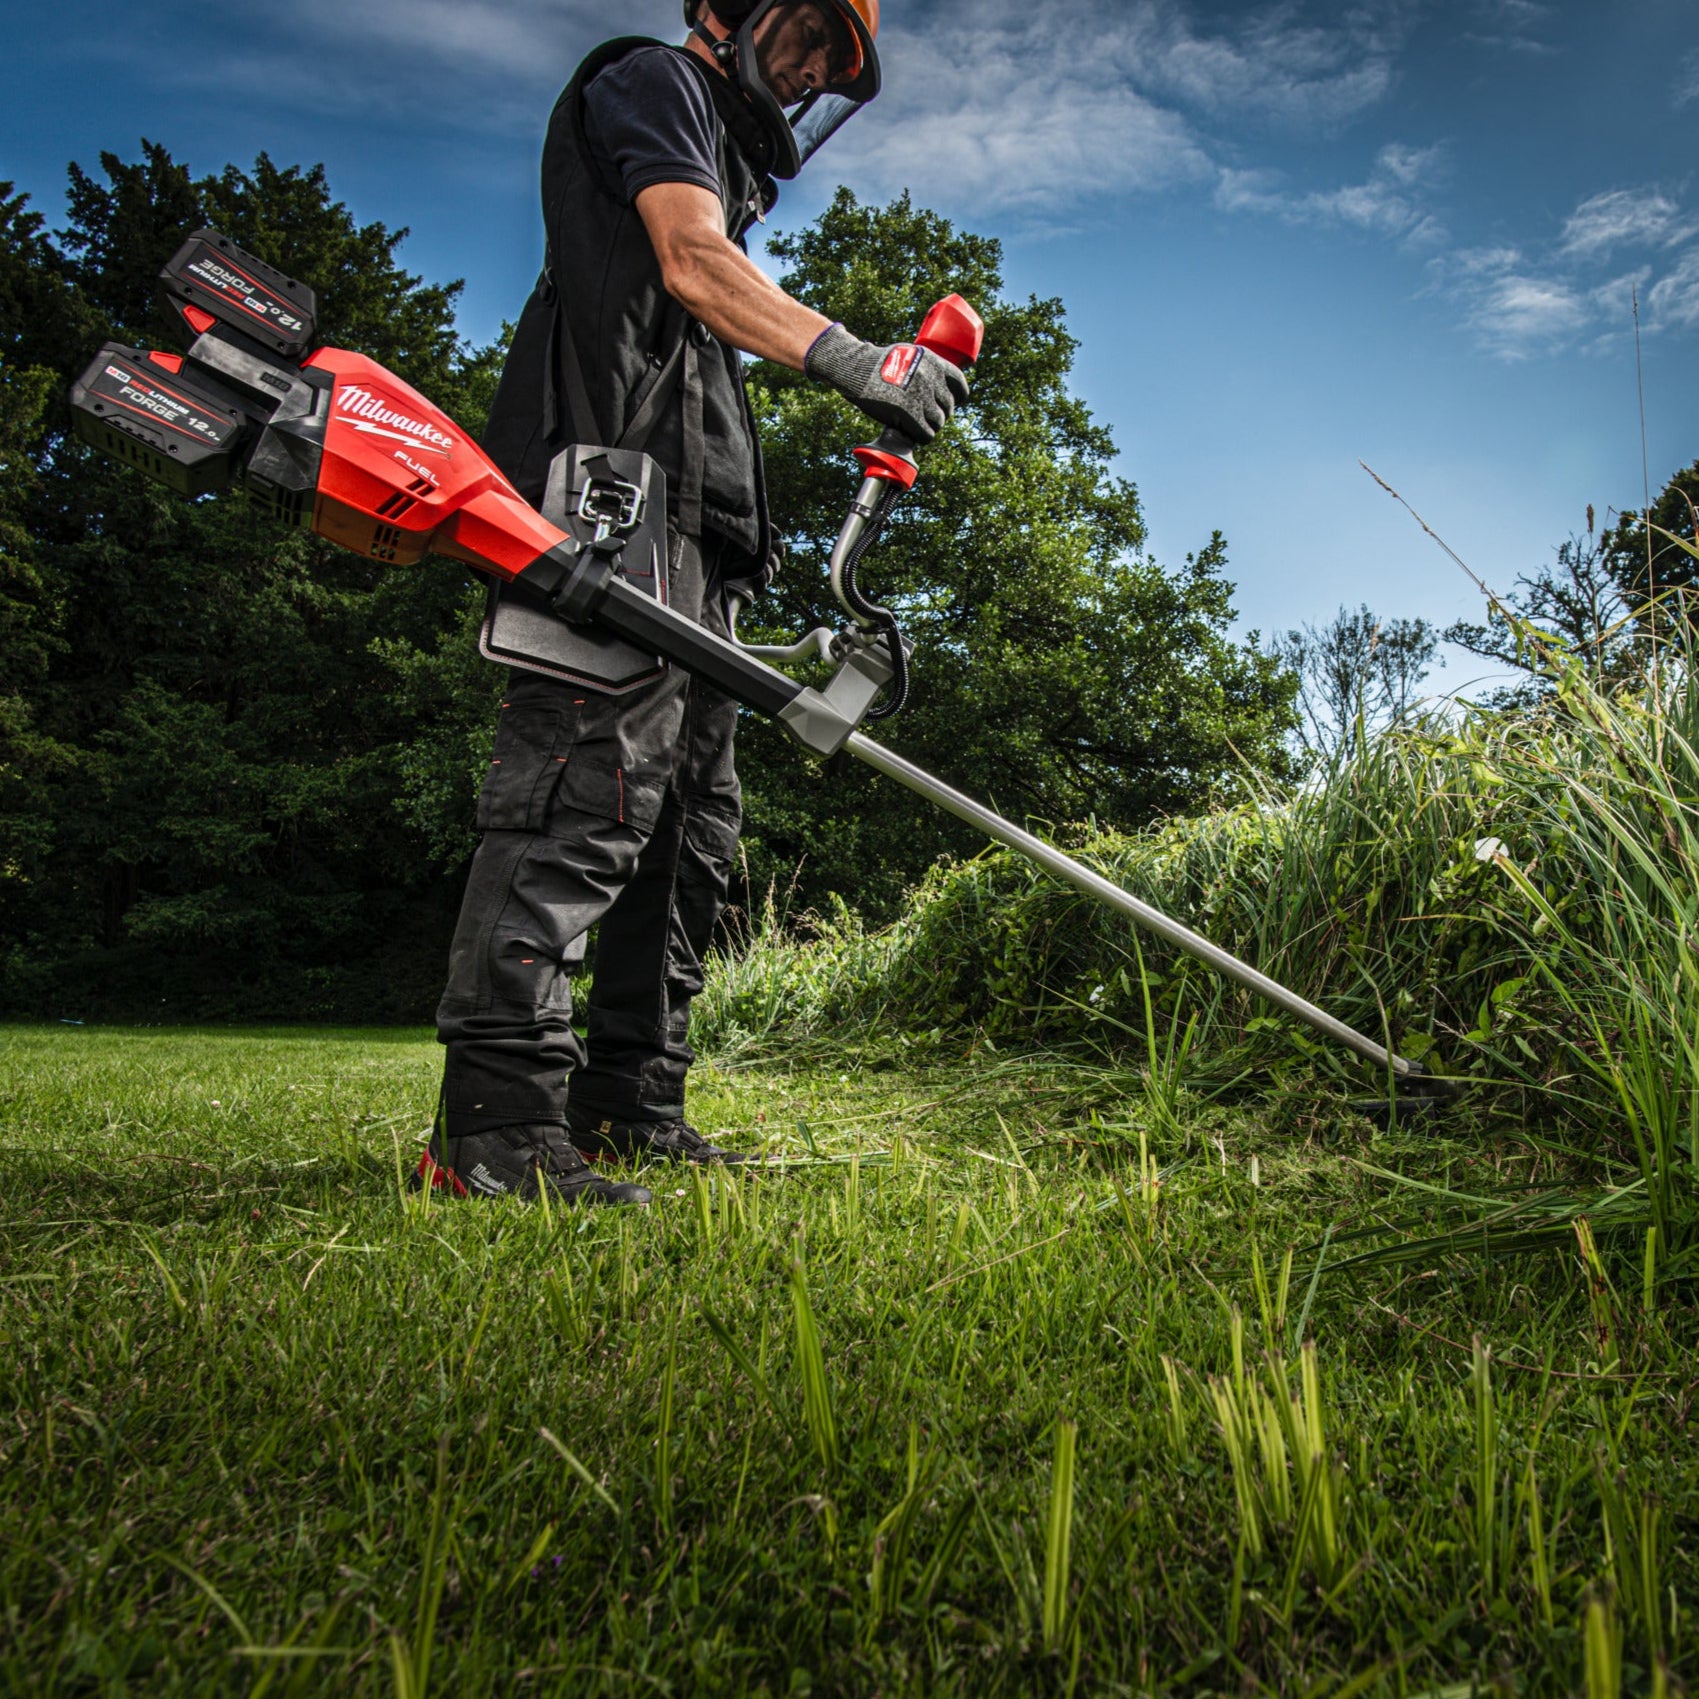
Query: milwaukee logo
point(486, 1182)
point(372, 414)
point(900, 364)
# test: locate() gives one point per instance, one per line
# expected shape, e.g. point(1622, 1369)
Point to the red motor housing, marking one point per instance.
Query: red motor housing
point(399, 479)
point(328, 440)
point(334, 441)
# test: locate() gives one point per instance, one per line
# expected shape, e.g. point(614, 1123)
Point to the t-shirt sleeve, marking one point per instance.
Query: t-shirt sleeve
point(653, 120)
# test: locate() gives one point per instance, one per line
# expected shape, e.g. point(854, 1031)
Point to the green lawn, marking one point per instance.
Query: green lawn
point(972, 1398)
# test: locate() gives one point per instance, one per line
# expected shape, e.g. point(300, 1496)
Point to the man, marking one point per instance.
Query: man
point(622, 810)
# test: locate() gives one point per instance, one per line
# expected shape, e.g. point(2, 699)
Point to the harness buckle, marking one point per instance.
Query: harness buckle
point(611, 505)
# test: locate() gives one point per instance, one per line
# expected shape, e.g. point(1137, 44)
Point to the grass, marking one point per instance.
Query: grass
point(1511, 899)
point(1023, 1377)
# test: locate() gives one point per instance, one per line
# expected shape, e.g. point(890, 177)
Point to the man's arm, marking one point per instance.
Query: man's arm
point(716, 282)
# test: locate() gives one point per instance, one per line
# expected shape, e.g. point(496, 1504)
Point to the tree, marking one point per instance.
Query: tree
point(225, 830)
point(1577, 604)
point(1656, 575)
point(248, 760)
point(1608, 602)
point(39, 313)
point(1355, 674)
point(1057, 668)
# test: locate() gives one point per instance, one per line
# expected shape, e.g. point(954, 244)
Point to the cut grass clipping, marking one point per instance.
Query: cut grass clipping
point(1020, 1380)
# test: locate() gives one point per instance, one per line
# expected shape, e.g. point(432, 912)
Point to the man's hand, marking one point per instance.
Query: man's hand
point(904, 386)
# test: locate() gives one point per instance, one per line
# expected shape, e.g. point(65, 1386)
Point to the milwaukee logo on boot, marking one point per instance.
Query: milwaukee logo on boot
point(485, 1181)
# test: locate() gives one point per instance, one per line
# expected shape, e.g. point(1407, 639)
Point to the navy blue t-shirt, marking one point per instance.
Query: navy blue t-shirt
point(650, 120)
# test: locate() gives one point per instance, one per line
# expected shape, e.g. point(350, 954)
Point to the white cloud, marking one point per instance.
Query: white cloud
point(1485, 262)
point(1517, 314)
point(1614, 299)
point(1513, 14)
point(990, 106)
point(1625, 217)
point(1520, 303)
point(984, 109)
point(1673, 301)
point(1516, 307)
point(1026, 152)
point(490, 66)
point(1041, 113)
point(1387, 203)
point(1401, 163)
point(519, 40)
point(1687, 80)
point(1512, 25)
point(1276, 66)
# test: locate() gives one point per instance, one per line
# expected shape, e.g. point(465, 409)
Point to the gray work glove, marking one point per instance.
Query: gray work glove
point(904, 386)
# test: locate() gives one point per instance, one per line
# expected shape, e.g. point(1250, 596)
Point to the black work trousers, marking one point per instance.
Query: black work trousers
point(619, 812)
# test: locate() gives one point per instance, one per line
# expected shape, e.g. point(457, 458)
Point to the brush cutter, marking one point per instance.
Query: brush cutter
point(329, 440)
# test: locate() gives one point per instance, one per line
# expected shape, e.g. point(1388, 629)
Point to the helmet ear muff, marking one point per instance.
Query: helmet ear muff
point(724, 48)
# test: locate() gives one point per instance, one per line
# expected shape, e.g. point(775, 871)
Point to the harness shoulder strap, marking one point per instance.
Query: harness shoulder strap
point(681, 367)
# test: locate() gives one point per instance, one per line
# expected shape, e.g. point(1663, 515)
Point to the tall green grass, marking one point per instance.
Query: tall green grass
point(1512, 899)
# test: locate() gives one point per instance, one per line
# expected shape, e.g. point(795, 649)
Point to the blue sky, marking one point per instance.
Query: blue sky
point(1289, 237)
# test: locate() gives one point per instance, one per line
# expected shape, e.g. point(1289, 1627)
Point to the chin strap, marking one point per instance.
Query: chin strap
point(723, 48)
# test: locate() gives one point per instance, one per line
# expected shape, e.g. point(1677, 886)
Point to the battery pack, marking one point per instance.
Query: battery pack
point(141, 407)
point(209, 278)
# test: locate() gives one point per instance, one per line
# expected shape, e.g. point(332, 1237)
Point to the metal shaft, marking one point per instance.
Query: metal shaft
point(1064, 867)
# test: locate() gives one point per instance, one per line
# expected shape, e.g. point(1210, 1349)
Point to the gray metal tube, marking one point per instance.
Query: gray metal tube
point(1064, 867)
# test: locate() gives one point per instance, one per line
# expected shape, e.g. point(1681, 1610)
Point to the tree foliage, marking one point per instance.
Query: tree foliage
point(1356, 674)
point(238, 765)
point(1058, 669)
point(203, 734)
point(1647, 560)
point(1609, 600)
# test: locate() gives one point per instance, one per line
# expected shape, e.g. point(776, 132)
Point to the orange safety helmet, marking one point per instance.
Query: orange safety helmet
point(799, 134)
point(861, 19)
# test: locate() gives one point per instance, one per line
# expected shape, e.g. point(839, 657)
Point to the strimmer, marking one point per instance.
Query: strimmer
point(331, 441)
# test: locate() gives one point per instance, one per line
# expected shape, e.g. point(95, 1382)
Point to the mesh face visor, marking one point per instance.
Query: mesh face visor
point(817, 119)
point(813, 120)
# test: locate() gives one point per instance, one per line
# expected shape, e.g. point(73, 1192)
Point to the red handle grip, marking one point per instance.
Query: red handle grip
point(953, 331)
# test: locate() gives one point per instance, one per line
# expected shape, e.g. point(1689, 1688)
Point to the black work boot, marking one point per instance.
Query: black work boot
point(517, 1162)
point(604, 1140)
